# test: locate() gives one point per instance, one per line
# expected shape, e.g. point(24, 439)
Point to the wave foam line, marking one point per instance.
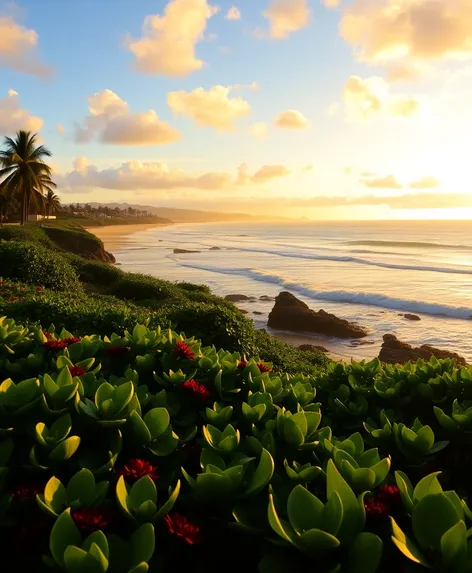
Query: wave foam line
point(349, 297)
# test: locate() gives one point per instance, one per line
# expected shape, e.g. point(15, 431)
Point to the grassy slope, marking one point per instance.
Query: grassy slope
point(92, 222)
point(107, 299)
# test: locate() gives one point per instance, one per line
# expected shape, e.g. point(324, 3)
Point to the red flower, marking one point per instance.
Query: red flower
point(39, 288)
point(263, 367)
point(182, 527)
point(48, 335)
point(183, 350)
point(197, 390)
point(375, 509)
point(135, 469)
point(28, 490)
point(117, 350)
point(91, 518)
point(389, 494)
point(242, 364)
point(71, 340)
point(55, 345)
point(76, 371)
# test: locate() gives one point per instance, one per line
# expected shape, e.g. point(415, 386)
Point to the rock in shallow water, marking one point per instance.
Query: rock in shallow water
point(290, 313)
point(183, 251)
point(395, 351)
point(411, 317)
point(238, 297)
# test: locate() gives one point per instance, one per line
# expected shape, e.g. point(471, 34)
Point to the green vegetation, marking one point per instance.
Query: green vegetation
point(24, 174)
point(149, 451)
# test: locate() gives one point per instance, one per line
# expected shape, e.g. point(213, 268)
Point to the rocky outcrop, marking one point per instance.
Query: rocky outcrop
point(411, 317)
point(312, 348)
point(290, 313)
point(238, 298)
point(395, 351)
point(215, 249)
point(266, 298)
point(183, 251)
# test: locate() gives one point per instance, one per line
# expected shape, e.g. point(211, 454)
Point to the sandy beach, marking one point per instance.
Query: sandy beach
point(112, 235)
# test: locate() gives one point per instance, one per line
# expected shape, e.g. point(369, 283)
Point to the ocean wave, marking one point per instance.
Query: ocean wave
point(359, 261)
point(410, 244)
point(342, 296)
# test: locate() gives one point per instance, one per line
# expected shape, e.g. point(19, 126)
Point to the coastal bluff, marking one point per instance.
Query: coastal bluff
point(290, 313)
point(395, 351)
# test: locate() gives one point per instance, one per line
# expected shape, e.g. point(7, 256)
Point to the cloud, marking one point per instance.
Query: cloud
point(168, 44)
point(384, 31)
point(233, 14)
point(427, 182)
point(286, 17)
point(13, 117)
point(291, 119)
point(331, 3)
point(364, 99)
point(19, 49)
point(404, 201)
point(259, 130)
point(61, 129)
point(213, 108)
point(158, 176)
point(110, 119)
point(388, 182)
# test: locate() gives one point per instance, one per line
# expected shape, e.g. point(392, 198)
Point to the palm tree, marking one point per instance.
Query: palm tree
point(52, 203)
point(24, 170)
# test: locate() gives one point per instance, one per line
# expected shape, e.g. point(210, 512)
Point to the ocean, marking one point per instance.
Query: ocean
point(368, 272)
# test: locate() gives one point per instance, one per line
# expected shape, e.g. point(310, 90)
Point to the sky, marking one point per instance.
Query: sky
point(304, 108)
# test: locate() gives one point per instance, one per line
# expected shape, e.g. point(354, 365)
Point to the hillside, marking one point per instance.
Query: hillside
point(190, 215)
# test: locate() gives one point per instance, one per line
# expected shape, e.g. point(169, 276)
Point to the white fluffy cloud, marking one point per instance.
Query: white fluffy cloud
point(19, 48)
point(286, 17)
point(158, 176)
point(233, 13)
point(111, 120)
point(213, 108)
point(13, 117)
point(168, 44)
point(384, 31)
point(291, 119)
point(364, 99)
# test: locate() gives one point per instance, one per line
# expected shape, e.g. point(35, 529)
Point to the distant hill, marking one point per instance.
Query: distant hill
point(188, 215)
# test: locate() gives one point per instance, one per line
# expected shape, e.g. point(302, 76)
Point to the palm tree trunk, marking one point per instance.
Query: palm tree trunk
point(22, 211)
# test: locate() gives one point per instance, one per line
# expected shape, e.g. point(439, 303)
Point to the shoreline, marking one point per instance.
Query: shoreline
point(112, 235)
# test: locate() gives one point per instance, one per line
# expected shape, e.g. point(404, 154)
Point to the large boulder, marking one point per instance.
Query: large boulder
point(395, 351)
point(238, 298)
point(290, 313)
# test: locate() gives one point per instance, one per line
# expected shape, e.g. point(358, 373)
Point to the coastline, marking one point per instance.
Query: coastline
point(112, 235)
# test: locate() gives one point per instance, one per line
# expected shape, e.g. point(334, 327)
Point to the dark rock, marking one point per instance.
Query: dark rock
point(395, 351)
point(312, 348)
point(266, 298)
point(243, 311)
point(238, 297)
point(215, 249)
point(290, 313)
point(183, 251)
point(412, 317)
point(257, 312)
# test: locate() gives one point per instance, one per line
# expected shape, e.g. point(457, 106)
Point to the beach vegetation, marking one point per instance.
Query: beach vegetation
point(149, 450)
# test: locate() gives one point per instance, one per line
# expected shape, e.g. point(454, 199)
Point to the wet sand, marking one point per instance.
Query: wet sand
point(112, 235)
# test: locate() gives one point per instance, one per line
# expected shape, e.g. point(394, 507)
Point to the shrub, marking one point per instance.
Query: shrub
point(137, 287)
point(93, 272)
point(149, 451)
point(35, 264)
